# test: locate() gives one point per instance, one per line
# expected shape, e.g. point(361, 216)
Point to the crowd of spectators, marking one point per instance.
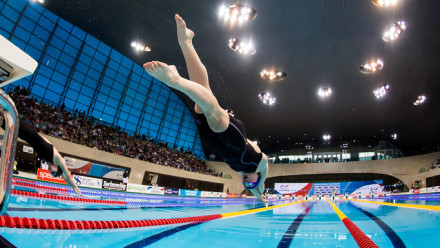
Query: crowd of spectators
point(435, 165)
point(81, 129)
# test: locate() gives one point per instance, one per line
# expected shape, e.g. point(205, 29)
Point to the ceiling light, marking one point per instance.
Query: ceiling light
point(324, 92)
point(326, 137)
point(236, 13)
point(273, 75)
point(381, 91)
point(394, 136)
point(371, 67)
point(420, 99)
point(140, 47)
point(385, 3)
point(394, 32)
point(242, 47)
point(267, 99)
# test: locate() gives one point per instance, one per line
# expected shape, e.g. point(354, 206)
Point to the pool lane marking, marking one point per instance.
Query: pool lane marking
point(290, 232)
point(158, 236)
point(257, 210)
point(424, 207)
point(395, 239)
point(359, 236)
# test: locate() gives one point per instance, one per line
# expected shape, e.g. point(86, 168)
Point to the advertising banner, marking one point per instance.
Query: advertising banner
point(171, 191)
point(186, 192)
point(88, 181)
point(45, 175)
point(83, 167)
point(136, 188)
point(155, 190)
point(357, 187)
point(113, 185)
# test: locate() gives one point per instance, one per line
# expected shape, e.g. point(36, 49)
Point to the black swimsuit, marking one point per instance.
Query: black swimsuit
point(231, 144)
point(42, 147)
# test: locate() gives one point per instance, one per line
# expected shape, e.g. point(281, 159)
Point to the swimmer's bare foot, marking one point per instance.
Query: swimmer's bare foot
point(184, 35)
point(165, 73)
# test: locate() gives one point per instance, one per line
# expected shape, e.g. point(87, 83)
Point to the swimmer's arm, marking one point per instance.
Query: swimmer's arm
point(263, 168)
point(257, 193)
point(59, 161)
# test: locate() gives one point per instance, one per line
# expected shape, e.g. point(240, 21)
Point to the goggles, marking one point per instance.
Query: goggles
point(252, 185)
point(57, 173)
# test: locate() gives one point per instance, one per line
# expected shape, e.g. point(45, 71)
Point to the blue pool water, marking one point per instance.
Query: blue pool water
point(306, 224)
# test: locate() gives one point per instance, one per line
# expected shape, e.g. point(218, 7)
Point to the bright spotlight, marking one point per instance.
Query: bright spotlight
point(242, 47)
point(371, 67)
point(394, 136)
point(420, 100)
point(326, 137)
point(381, 91)
point(236, 13)
point(140, 47)
point(394, 32)
point(324, 92)
point(38, 1)
point(385, 3)
point(273, 75)
point(267, 99)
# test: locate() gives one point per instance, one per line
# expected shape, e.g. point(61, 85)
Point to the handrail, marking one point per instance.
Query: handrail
point(10, 114)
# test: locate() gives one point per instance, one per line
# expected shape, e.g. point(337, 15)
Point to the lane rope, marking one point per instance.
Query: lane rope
point(359, 236)
point(424, 207)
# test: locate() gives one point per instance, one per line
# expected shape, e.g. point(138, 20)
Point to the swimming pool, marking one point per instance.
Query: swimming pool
point(232, 222)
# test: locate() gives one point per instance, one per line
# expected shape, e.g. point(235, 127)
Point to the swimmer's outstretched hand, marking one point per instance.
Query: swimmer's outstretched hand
point(163, 72)
point(76, 189)
point(184, 34)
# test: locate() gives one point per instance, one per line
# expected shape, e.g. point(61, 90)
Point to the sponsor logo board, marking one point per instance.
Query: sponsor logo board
point(87, 181)
point(155, 190)
point(171, 191)
point(113, 185)
point(136, 188)
point(45, 175)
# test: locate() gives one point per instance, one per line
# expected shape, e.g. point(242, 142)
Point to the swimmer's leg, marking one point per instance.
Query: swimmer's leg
point(196, 70)
point(218, 119)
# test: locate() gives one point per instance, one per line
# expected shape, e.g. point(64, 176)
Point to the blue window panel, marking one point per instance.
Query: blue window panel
point(123, 71)
point(109, 110)
point(37, 43)
point(60, 33)
point(38, 90)
point(123, 116)
point(3, 32)
point(102, 98)
point(92, 41)
point(72, 94)
point(82, 67)
point(78, 33)
point(97, 66)
point(104, 49)
point(162, 99)
point(27, 24)
point(140, 97)
point(23, 34)
point(128, 101)
point(93, 74)
point(32, 14)
point(100, 57)
point(60, 78)
point(130, 127)
point(134, 82)
point(127, 63)
point(172, 134)
point(81, 107)
point(56, 42)
point(65, 25)
point(146, 78)
point(86, 59)
point(41, 33)
point(163, 137)
point(75, 85)
point(63, 69)
point(138, 104)
point(19, 43)
point(84, 100)
point(67, 60)
point(45, 71)
point(79, 76)
point(10, 13)
point(46, 24)
point(125, 108)
point(99, 106)
point(107, 81)
point(112, 102)
point(42, 80)
point(87, 91)
point(135, 112)
point(121, 78)
point(18, 5)
point(130, 93)
point(110, 73)
point(116, 56)
point(153, 129)
point(89, 50)
point(53, 52)
point(37, 8)
point(51, 16)
point(121, 123)
point(113, 65)
point(155, 120)
point(117, 86)
point(75, 42)
point(68, 49)
point(174, 127)
point(54, 97)
point(33, 52)
point(104, 89)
